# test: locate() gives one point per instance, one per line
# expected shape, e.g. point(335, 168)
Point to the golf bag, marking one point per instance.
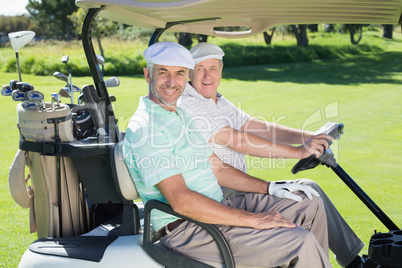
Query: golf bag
point(55, 197)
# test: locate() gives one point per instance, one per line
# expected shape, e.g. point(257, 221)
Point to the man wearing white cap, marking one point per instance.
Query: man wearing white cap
point(170, 161)
point(231, 133)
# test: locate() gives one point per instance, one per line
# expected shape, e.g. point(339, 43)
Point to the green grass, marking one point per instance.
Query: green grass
point(363, 93)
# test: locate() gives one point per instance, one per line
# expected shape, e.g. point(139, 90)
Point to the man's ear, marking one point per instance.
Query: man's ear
point(147, 75)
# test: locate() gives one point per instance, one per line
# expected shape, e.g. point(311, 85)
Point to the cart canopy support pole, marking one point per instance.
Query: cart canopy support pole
point(100, 102)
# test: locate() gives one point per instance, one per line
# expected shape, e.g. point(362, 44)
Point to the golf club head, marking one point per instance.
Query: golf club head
point(112, 82)
point(55, 100)
point(64, 92)
point(31, 105)
point(13, 84)
point(35, 95)
point(75, 88)
point(100, 59)
point(24, 86)
point(80, 99)
point(6, 90)
point(65, 59)
point(112, 98)
point(20, 39)
point(55, 97)
point(61, 76)
point(18, 95)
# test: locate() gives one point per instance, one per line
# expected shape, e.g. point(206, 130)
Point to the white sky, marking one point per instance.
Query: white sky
point(13, 7)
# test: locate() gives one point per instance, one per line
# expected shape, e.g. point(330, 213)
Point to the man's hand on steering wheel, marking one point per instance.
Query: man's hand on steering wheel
point(316, 145)
point(334, 130)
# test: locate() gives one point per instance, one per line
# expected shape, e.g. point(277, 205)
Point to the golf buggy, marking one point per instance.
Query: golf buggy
point(86, 214)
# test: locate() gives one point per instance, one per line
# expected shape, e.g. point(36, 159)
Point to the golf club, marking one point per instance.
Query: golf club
point(13, 84)
point(64, 92)
point(76, 89)
point(18, 40)
point(24, 86)
point(112, 82)
point(35, 95)
point(19, 95)
point(55, 99)
point(80, 99)
point(65, 60)
point(61, 76)
point(31, 105)
point(112, 98)
point(6, 90)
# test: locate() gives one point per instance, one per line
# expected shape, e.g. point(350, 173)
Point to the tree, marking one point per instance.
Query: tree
point(352, 30)
point(300, 32)
point(51, 15)
point(329, 28)
point(101, 27)
point(268, 37)
point(10, 24)
point(387, 31)
point(13, 23)
point(313, 28)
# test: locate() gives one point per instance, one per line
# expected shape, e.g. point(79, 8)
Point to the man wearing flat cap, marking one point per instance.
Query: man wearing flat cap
point(231, 133)
point(170, 161)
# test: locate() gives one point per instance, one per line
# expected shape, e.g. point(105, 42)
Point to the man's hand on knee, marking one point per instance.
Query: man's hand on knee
point(271, 219)
point(285, 190)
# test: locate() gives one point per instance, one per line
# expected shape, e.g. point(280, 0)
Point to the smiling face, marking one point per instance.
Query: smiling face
point(166, 84)
point(206, 76)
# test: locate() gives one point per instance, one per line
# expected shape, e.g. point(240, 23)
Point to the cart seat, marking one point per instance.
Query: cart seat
point(124, 181)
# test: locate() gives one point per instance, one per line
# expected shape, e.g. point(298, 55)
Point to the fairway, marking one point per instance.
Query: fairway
point(364, 94)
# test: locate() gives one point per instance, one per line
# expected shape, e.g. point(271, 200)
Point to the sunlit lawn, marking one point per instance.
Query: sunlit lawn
point(363, 93)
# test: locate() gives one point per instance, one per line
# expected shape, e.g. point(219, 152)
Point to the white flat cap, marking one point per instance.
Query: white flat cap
point(169, 54)
point(204, 51)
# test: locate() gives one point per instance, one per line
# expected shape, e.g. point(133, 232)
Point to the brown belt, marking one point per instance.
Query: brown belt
point(171, 226)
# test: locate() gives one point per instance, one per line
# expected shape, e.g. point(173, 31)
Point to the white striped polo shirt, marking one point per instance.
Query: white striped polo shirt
point(210, 117)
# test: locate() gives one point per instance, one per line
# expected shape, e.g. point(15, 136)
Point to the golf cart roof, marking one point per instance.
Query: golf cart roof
point(256, 16)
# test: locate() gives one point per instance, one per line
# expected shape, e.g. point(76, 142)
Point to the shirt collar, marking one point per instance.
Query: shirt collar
point(148, 105)
point(192, 92)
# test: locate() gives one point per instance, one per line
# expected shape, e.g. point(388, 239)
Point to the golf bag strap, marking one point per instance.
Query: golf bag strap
point(44, 148)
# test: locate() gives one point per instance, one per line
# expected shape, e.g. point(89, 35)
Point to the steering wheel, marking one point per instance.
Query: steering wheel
point(332, 129)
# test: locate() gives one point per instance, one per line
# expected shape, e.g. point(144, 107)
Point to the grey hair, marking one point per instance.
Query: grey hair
point(150, 67)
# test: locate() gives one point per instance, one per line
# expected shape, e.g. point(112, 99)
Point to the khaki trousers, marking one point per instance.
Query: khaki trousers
point(343, 242)
point(305, 246)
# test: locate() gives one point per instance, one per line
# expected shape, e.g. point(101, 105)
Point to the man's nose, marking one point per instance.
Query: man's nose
point(170, 80)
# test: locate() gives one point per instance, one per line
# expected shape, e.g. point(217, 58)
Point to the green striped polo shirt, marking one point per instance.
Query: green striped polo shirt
point(159, 144)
